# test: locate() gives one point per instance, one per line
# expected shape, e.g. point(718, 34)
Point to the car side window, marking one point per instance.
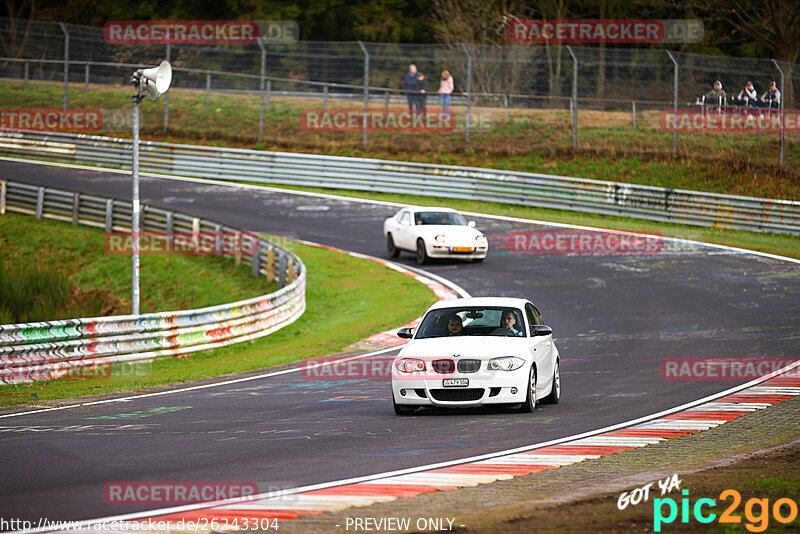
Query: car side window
point(405, 218)
point(533, 316)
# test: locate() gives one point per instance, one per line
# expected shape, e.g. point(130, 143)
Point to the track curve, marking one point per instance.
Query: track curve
point(615, 318)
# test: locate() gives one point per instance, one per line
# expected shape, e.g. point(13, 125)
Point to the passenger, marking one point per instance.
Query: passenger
point(455, 327)
point(507, 322)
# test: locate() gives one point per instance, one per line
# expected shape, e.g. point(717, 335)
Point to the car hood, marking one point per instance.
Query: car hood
point(480, 347)
point(449, 230)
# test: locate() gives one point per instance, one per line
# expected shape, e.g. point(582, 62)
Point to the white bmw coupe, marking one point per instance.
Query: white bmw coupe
point(434, 233)
point(477, 351)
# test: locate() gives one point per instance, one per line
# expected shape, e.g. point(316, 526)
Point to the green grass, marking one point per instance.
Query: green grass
point(166, 282)
point(530, 141)
point(346, 302)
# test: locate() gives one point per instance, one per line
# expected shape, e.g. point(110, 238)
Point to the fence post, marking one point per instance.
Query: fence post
point(256, 263)
point(66, 62)
point(505, 108)
point(76, 205)
point(3, 185)
point(261, 88)
point(574, 99)
point(366, 91)
point(109, 215)
point(633, 112)
point(166, 95)
point(675, 103)
point(39, 202)
point(208, 87)
point(469, 93)
point(783, 107)
point(25, 83)
point(388, 95)
point(86, 76)
point(325, 98)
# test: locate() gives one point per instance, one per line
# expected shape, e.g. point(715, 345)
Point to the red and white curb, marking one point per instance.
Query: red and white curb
point(727, 406)
point(389, 338)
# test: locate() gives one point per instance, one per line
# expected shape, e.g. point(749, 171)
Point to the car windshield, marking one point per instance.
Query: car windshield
point(472, 321)
point(439, 217)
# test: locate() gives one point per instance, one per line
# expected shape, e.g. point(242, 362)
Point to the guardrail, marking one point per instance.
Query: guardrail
point(56, 349)
point(509, 187)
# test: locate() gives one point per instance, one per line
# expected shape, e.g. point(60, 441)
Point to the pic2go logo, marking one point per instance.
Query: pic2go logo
point(756, 511)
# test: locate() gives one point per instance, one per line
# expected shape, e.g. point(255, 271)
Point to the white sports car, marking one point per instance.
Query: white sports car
point(434, 233)
point(476, 351)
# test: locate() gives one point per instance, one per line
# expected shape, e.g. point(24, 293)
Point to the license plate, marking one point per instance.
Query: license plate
point(455, 382)
point(462, 249)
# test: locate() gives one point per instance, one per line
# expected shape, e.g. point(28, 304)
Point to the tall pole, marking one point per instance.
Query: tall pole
point(366, 92)
point(469, 93)
point(674, 103)
point(783, 107)
point(66, 63)
point(574, 99)
point(135, 205)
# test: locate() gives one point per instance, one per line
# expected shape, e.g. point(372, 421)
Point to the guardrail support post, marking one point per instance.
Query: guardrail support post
point(237, 250)
point(76, 202)
point(170, 225)
point(25, 83)
point(281, 269)
point(217, 240)
point(574, 99)
point(270, 264)
point(675, 103)
point(783, 107)
point(469, 95)
point(256, 262)
point(366, 95)
point(109, 215)
point(3, 186)
point(208, 87)
point(86, 76)
point(289, 271)
point(261, 88)
point(66, 62)
point(39, 202)
point(166, 95)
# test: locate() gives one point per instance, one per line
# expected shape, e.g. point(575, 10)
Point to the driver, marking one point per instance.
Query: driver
point(454, 326)
point(507, 322)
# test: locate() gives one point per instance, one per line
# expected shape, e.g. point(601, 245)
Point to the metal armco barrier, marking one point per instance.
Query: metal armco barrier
point(519, 188)
point(57, 349)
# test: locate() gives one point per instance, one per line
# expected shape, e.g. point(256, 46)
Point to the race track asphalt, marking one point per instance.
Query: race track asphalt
point(615, 318)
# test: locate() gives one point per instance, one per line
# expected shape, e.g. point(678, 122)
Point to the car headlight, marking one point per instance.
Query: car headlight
point(439, 238)
point(480, 238)
point(409, 365)
point(506, 363)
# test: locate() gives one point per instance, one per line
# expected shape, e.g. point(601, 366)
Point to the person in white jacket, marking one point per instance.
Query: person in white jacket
point(748, 94)
point(772, 96)
point(445, 90)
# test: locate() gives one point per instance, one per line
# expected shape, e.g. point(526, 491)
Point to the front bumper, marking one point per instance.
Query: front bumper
point(486, 387)
point(439, 250)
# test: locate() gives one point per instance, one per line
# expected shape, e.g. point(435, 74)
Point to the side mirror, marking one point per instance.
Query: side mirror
point(541, 330)
point(471, 224)
point(405, 333)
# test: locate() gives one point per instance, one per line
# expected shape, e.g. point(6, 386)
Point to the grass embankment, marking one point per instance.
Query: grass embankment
point(345, 302)
point(530, 140)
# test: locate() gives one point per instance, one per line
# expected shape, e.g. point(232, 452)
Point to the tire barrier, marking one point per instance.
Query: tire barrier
point(57, 349)
point(518, 188)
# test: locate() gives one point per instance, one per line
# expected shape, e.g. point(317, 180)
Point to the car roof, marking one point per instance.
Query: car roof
point(506, 302)
point(418, 209)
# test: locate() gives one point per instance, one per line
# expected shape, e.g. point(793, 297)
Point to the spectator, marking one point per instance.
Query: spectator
point(421, 87)
point(748, 94)
point(409, 82)
point(772, 96)
point(716, 96)
point(445, 90)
